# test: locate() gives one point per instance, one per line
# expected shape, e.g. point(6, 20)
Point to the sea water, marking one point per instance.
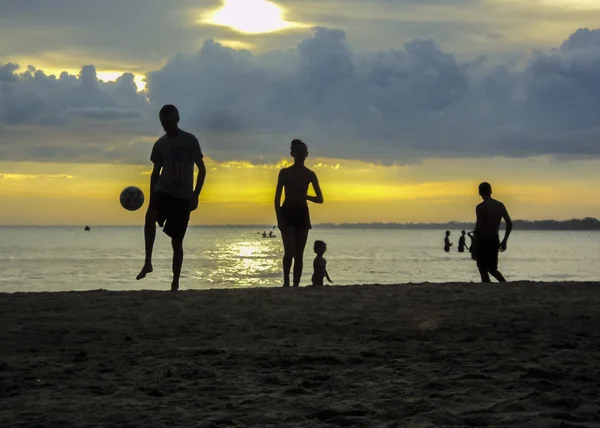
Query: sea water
point(69, 258)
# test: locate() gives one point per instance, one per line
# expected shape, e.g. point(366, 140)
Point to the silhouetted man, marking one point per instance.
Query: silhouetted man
point(462, 242)
point(490, 213)
point(172, 195)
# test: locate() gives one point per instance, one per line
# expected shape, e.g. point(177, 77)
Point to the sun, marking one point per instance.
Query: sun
point(249, 16)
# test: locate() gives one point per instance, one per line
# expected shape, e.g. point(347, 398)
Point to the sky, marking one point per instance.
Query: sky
point(406, 105)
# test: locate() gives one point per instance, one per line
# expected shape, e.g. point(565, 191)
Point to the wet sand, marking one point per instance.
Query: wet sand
point(521, 354)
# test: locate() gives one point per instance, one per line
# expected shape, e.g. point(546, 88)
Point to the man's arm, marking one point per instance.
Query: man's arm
point(199, 161)
point(154, 176)
point(201, 176)
point(156, 159)
point(318, 199)
point(509, 226)
point(198, 158)
point(477, 221)
point(199, 183)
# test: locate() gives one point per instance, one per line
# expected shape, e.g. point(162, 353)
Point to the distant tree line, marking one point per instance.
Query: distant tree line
point(587, 223)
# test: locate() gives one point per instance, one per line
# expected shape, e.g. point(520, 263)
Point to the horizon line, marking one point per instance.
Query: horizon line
point(316, 224)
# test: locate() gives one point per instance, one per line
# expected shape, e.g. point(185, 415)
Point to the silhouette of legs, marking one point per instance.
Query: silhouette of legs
point(301, 236)
point(496, 274)
point(149, 237)
point(177, 245)
point(485, 275)
point(289, 248)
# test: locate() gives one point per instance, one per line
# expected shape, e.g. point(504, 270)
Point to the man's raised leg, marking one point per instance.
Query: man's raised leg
point(149, 237)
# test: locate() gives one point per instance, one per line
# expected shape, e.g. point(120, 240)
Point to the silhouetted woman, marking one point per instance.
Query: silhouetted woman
point(293, 218)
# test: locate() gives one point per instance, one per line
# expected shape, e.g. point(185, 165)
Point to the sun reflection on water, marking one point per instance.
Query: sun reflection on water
point(243, 263)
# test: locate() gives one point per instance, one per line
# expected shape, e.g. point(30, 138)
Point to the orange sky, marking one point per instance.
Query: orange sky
point(241, 193)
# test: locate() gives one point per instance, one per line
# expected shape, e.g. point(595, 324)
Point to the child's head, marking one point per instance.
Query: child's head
point(447, 233)
point(463, 232)
point(320, 247)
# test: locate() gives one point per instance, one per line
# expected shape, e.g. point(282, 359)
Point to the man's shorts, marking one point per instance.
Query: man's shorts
point(172, 214)
point(296, 217)
point(486, 251)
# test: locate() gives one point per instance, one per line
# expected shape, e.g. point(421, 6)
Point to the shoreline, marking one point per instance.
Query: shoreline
point(455, 354)
point(330, 286)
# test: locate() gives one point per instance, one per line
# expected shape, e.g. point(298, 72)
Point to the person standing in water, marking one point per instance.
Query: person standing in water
point(447, 243)
point(472, 244)
point(462, 244)
point(293, 219)
point(490, 213)
point(172, 192)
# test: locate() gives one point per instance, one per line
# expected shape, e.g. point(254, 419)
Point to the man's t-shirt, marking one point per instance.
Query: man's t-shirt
point(177, 155)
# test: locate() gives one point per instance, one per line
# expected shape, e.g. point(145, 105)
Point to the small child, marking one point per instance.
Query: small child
point(320, 264)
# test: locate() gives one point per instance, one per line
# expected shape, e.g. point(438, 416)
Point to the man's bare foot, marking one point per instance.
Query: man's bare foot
point(145, 271)
point(174, 287)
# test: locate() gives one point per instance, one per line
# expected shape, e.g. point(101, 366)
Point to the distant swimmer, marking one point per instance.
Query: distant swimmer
point(264, 234)
point(490, 213)
point(447, 243)
point(271, 234)
point(462, 242)
point(293, 218)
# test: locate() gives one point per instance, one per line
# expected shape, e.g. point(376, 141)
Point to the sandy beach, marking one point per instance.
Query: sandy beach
point(521, 354)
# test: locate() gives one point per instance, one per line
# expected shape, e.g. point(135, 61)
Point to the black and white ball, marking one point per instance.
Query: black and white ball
point(132, 198)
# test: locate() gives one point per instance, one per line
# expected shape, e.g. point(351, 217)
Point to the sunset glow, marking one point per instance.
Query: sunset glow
point(249, 16)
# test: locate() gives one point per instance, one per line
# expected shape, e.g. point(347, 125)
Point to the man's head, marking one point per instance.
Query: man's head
point(299, 150)
point(169, 118)
point(485, 190)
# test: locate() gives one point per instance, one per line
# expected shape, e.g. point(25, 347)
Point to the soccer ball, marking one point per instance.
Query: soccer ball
point(132, 198)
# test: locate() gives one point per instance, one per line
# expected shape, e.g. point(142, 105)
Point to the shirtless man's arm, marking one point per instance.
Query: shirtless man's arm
point(509, 226)
point(478, 220)
point(318, 199)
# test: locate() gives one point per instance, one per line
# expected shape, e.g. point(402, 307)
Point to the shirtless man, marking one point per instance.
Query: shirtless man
point(172, 196)
point(293, 218)
point(490, 213)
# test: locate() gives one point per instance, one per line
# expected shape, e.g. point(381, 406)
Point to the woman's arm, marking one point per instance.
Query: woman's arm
point(278, 191)
point(318, 199)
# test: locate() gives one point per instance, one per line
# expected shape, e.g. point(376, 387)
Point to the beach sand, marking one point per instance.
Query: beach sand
point(520, 354)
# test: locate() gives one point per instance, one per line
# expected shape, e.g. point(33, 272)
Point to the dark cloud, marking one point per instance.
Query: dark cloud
point(582, 39)
point(386, 106)
point(32, 97)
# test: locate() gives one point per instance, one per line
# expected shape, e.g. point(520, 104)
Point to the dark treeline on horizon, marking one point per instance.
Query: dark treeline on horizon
point(587, 223)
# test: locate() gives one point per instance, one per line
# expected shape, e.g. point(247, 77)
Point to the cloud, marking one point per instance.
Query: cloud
point(19, 177)
point(399, 105)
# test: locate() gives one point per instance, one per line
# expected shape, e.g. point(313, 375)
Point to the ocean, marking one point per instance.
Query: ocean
point(34, 259)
